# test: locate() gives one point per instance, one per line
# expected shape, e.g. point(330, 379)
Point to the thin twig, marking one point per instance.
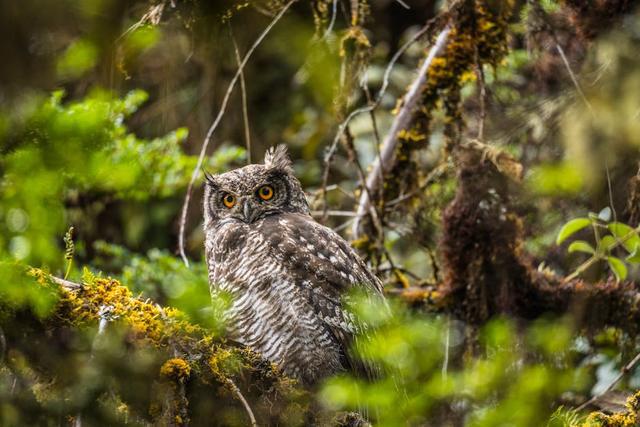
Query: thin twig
point(402, 270)
point(537, 8)
point(445, 362)
point(106, 315)
point(589, 107)
point(434, 264)
point(376, 133)
point(435, 173)
point(344, 225)
point(573, 78)
point(613, 209)
point(333, 213)
point(72, 286)
point(242, 400)
point(376, 217)
point(243, 90)
point(624, 371)
point(402, 120)
point(153, 15)
point(482, 93)
point(334, 12)
point(317, 193)
point(214, 125)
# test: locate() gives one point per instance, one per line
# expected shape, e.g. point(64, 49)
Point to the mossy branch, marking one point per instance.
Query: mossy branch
point(475, 35)
point(197, 357)
point(488, 272)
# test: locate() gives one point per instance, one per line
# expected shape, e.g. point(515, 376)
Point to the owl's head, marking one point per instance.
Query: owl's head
point(255, 191)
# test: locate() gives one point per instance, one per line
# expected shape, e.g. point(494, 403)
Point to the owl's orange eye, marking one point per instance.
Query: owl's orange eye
point(265, 192)
point(229, 200)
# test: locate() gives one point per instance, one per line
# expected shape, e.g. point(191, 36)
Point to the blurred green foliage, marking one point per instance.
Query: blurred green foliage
point(57, 153)
point(508, 377)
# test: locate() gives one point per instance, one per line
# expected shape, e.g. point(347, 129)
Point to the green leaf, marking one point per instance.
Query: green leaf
point(634, 257)
point(572, 227)
point(621, 231)
point(606, 243)
point(581, 246)
point(618, 267)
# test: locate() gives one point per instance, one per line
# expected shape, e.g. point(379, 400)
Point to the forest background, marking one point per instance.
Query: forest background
point(481, 155)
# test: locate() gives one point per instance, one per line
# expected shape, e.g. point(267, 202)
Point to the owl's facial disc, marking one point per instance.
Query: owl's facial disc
point(251, 193)
point(252, 200)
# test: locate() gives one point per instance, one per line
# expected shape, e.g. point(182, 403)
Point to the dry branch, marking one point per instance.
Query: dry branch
point(385, 162)
point(243, 91)
point(370, 108)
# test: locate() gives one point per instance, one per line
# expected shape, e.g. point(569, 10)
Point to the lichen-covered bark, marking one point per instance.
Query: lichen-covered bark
point(628, 418)
point(478, 37)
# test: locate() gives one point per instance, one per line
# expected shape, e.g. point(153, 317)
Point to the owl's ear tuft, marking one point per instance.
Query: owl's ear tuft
point(277, 158)
point(210, 179)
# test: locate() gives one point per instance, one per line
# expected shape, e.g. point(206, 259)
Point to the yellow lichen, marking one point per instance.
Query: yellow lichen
point(411, 135)
point(354, 41)
point(176, 369)
point(147, 321)
point(205, 358)
point(629, 418)
point(218, 360)
point(478, 37)
point(41, 276)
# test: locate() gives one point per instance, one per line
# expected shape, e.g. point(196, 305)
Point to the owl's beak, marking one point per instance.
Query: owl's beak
point(248, 212)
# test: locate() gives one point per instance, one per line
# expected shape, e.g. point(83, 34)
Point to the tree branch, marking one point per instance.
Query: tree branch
point(386, 160)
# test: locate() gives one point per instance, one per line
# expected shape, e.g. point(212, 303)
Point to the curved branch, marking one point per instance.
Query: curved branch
point(370, 108)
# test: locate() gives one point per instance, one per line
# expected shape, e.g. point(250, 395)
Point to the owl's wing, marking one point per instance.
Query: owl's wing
point(327, 269)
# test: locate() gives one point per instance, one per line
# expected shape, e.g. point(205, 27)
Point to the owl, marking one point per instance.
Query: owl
point(287, 275)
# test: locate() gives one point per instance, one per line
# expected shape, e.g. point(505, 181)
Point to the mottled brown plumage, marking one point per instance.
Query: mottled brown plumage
point(287, 274)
